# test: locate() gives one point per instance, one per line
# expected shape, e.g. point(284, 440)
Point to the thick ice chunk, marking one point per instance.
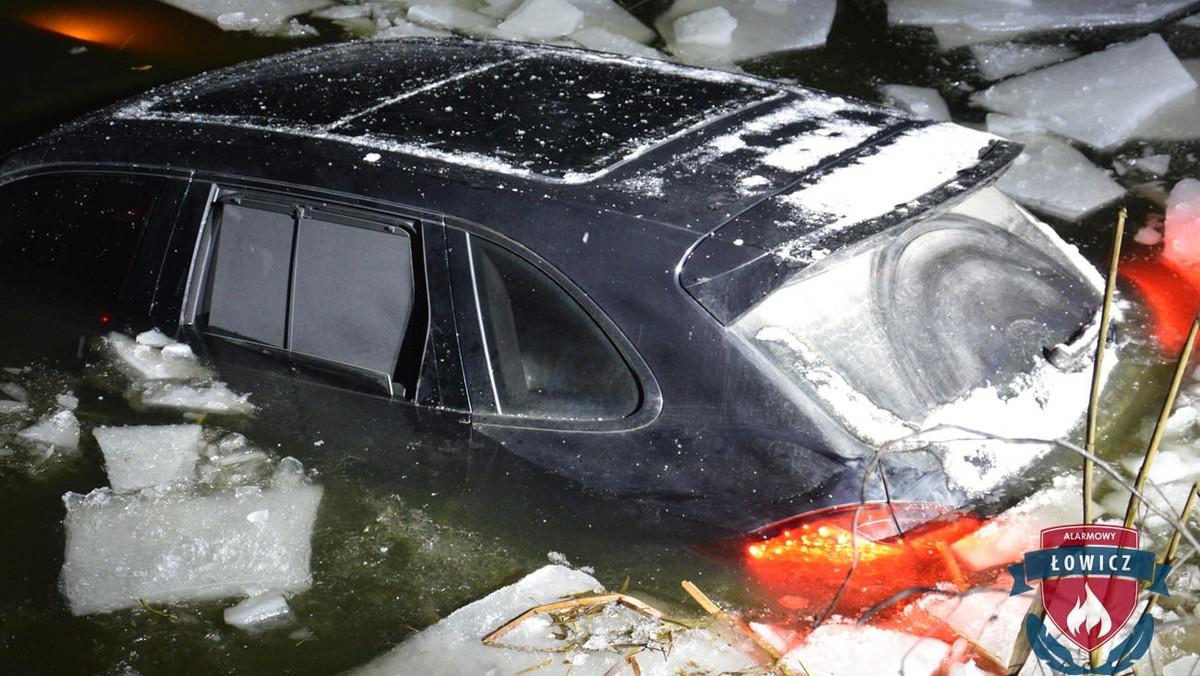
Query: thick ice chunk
point(713, 27)
point(60, 430)
point(996, 62)
point(602, 40)
point(594, 645)
point(844, 649)
point(210, 398)
point(145, 361)
point(763, 26)
point(923, 102)
point(1179, 120)
point(1052, 177)
point(609, 16)
point(1099, 99)
point(259, 15)
point(543, 19)
point(140, 456)
point(167, 546)
point(449, 16)
point(1009, 18)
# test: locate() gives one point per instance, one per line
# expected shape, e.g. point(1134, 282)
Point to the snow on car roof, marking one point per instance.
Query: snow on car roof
point(560, 115)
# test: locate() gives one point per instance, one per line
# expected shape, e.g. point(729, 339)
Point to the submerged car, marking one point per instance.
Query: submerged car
point(736, 299)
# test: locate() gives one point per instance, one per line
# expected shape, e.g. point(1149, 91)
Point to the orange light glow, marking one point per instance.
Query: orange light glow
point(111, 28)
point(850, 560)
point(1172, 295)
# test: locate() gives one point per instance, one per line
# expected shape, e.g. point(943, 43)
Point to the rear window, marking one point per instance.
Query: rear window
point(78, 233)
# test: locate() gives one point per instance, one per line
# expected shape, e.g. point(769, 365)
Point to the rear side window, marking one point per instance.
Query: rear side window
point(76, 232)
point(336, 288)
point(546, 356)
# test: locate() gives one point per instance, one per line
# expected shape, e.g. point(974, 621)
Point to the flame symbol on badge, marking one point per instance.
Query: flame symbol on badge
point(1089, 611)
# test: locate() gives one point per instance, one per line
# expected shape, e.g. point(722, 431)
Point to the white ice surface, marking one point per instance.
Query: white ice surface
point(258, 610)
point(763, 26)
point(923, 102)
point(1054, 178)
point(602, 40)
point(1036, 15)
point(59, 429)
point(543, 19)
point(836, 649)
point(449, 17)
point(530, 644)
point(607, 15)
point(143, 360)
point(1181, 232)
point(1178, 120)
point(996, 62)
point(1100, 98)
point(140, 456)
point(260, 15)
point(168, 546)
point(712, 27)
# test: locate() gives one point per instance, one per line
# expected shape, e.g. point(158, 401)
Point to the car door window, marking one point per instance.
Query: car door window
point(545, 355)
point(328, 286)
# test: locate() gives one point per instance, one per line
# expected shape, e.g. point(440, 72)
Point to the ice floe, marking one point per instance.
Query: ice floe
point(996, 62)
point(1052, 177)
point(923, 102)
point(723, 32)
point(164, 373)
point(140, 456)
point(265, 16)
point(1111, 92)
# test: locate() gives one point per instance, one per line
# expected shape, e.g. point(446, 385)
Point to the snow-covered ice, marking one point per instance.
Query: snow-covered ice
point(163, 546)
point(1054, 178)
point(837, 649)
point(139, 456)
point(1099, 99)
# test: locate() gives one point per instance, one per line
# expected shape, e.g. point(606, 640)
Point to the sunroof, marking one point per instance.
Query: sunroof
point(559, 114)
point(554, 117)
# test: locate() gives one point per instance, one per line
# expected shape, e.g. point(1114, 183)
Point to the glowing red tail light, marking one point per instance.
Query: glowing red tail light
point(850, 559)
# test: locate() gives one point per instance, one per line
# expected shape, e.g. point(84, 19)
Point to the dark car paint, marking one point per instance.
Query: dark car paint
point(712, 441)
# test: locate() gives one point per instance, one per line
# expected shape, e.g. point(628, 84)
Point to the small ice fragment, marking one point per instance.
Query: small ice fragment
point(1099, 99)
point(143, 362)
point(543, 19)
point(289, 474)
point(60, 429)
point(67, 401)
point(1148, 236)
point(1181, 232)
point(153, 338)
point(372, 157)
point(214, 398)
point(9, 406)
point(178, 352)
point(1054, 178)
point(139, 456)
point(258, 610)
point(923, 102)
point(762, 27)
point(261, 516)
point(15, 391)
point(713, 26)
point(170, 546)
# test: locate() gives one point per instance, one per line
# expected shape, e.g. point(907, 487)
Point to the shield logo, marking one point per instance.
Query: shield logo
point(1088, 591)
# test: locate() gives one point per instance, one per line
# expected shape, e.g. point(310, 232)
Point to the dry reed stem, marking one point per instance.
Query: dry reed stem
point(1097, 366)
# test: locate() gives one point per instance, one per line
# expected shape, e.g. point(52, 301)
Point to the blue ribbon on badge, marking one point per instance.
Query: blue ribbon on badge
point(1091, 560)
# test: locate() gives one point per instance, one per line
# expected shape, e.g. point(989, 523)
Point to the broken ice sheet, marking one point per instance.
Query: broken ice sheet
point(1178, 120)
point(1053, 178)
point(1099, 99)
point(837, 649)
point(752, 28)
point(163, 546)
point(164, 373)
point(996, 62)
point(265, 16)
point(923, 102)
point(139, 456)
point(533, 645)
point(58, 430)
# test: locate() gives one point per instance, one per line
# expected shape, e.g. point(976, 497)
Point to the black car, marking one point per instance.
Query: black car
point(737, 299)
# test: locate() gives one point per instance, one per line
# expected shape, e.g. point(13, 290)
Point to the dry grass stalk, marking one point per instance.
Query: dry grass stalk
point(716, 611)
point(1097, 367)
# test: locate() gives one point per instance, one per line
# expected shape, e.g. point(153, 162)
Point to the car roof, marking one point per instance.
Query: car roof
point(674, 145)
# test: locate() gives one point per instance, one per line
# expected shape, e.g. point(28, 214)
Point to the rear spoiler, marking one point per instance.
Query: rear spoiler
point(880, 185)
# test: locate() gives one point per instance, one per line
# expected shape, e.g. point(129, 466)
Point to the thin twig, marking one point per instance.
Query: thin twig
point(1097, 366)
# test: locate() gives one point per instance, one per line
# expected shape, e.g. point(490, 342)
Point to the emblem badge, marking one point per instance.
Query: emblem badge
point(1090, 577)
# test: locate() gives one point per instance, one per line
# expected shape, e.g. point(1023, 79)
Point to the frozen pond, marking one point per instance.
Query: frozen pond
point(299, 556)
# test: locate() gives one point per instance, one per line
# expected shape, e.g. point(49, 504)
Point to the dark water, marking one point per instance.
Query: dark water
point(392, 553)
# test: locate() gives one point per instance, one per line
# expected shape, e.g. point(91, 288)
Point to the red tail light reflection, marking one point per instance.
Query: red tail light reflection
point(1172, 295)
point(847, 560)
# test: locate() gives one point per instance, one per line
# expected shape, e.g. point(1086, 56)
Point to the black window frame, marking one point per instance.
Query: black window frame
point(403, 383)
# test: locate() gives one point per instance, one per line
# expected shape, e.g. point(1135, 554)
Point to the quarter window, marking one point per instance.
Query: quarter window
point(335, 288)
point(545, 355)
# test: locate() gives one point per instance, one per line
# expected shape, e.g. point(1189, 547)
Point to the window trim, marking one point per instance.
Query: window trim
point(471, 333)
point(300, 207)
